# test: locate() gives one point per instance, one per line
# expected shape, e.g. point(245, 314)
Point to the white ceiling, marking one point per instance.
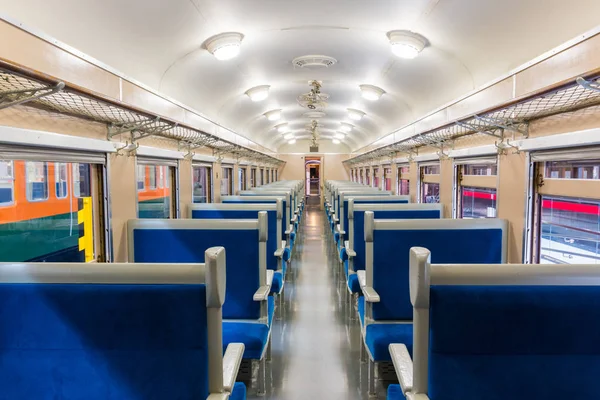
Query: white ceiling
point(159, 43)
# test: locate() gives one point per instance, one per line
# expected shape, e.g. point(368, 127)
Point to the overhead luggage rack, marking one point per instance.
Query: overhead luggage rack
point(514, 117)
point(23, 87)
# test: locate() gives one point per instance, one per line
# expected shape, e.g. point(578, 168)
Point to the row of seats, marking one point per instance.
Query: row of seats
point(175, 322)
point(476, 338)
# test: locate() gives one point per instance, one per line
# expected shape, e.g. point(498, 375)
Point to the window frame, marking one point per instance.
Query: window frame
point(427, 178)
point(463, 180)
point(400, 178)
point(57, 181)
point(28, 191)
point(10, 178)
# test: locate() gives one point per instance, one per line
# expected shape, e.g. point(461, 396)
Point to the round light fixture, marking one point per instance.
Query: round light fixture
point(355, 115)
point(346, 127)
point(288, 136)
point(339, 136)
point(258, 93)
point(282, 128)
point(273, 115)
point(293, 141)
point(406, 44)
point(224, 46)
point(335, 141)
point(371, 93)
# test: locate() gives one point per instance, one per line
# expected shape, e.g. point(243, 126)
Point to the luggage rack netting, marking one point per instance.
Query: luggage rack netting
point(56, 99)
point(513, 118)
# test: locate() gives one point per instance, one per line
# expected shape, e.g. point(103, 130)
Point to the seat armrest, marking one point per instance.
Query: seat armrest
point(370, 294)
point(290, 230)
point(279, 252)
point(262, 293)
point(270, 274)
point(351, 253)
point(336, 220)
point(403, 365)
point(419, 396)
point(218, 396)
point(231, 364)
point(362, 277)
point(294, 219)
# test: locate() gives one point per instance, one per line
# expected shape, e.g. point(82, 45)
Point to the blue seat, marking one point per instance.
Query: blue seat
point(380, 336)
point(394, 392)
point(239, 392)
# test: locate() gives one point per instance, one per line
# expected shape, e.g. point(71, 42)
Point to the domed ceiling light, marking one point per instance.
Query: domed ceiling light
point(273, 115)
point(355, 115)
point(293, 141)
point(282, 128)
point(371, 93)
point(406, 44)
point(346, 127)
point(288, 136)
point(339, 136)
point(258, 93)
point(335, 141)
point(224, 46)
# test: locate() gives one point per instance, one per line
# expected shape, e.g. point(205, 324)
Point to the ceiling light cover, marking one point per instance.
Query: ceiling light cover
point(346, 127)
point(355, 115)
point(273, 115)
point(282, 128)
point(293, 141)
point(371, 92)
point(288, 136)
point(225, 46)
point(406, 44)
point(258, 93)
point(335, 141)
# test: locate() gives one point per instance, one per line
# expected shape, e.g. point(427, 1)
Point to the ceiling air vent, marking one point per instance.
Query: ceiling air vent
point(314, 149)
point(313, 61)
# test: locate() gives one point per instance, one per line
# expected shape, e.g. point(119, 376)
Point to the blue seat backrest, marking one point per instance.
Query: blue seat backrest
point(272, 244)
point(359, 228)
point(99, 341)
point(514, 342)
point(188, 246)
point(391, 249)
point(357, 200)
point(284, 221)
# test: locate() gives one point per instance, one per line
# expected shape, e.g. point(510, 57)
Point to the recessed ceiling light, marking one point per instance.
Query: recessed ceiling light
point(346, 127)
point(355, 115)
point(335, 141)
point(258, 93)
point(406, 44)
point(371, 92)
point(282, 128)
point(273, 115)
point(339, 136)
point(288, 136)
point(224, 46)
point(293, 141)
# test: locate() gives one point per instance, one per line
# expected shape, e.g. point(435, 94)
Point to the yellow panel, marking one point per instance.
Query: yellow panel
point(489, 182)
point(571, 188)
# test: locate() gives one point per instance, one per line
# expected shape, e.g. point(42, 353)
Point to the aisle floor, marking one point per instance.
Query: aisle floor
point(316, 353)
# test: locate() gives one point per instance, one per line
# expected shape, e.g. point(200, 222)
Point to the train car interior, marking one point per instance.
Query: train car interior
point(299, 200)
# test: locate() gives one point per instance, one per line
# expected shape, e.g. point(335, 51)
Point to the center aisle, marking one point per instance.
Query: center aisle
point(315, 350)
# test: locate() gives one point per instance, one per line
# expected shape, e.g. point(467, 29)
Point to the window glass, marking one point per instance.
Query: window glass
point(152, 176)
point(161, 176)
point(376, 177)
point(403, 187)
point(480, 169)
point(201, 184)
point(431, 170)
point(584, 169)
point(37, 180)
point(387, 175)
point(478, 203)
point(226, 181)
point(141, 177)
point(7, 183)
point(431, 193)
point(570, 231)
point(368, 177)
point(262, 177)
point(362, 176)
point(41, 227)
point(253, 177)
point(242, 178)
point(60, 180)
point(155, 202)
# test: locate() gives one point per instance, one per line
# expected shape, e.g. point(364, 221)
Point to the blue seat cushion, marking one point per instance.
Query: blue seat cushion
point(380, 336)
point(354, 284)
point(271, 308)
point(336, 237)
point(277, 283)
point(286, 254)
point(361, 310)
point(239, 392)
point(394, 392)
point(253, 335)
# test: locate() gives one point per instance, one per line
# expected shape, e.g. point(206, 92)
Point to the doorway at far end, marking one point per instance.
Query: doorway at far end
point(312, 166)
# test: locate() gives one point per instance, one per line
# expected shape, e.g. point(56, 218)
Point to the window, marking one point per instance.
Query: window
point(376, 177)
point(262, 177)
point(564, 222)
point(387, 176)
point(253, 177)
point(430, 183)
point(227, 181)
point(480, 169)
point(431, 193)
point(7, 183)
point(202, 176)
point(60, 180)
point(404, 181)
point(141, 177)
point(81, 180)
point(475, 189)
point(276, 175)
point(154, 201)
point(37, 180)
point(42, 220)
point(431, 169)
point(362, 180)
point(478, 203)
point(368, 177)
